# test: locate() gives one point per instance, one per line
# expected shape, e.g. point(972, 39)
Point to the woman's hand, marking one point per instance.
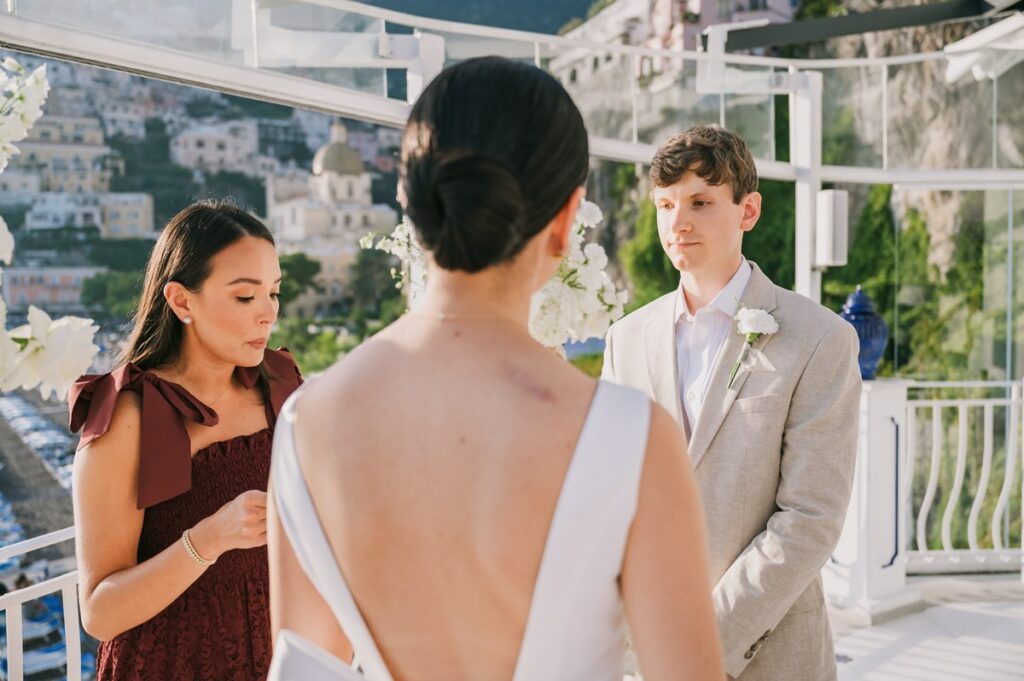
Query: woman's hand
point(239, 524)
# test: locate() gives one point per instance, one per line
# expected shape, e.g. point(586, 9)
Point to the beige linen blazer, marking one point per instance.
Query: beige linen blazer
point(774, 457)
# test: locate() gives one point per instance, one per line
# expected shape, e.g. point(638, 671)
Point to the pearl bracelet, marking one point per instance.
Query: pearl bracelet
point(193, 554)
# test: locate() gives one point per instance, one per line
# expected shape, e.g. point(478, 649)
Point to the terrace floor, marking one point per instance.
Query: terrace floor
point(972, 629)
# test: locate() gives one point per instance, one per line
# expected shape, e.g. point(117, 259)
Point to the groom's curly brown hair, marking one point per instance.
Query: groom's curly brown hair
point(717, 155)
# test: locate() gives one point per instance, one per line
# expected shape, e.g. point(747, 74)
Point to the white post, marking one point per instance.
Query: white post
point(805, 155)
point(429, 64)
point(1017, 393)
point(868, 570)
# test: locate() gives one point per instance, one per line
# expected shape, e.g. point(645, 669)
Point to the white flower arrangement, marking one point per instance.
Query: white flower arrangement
point(23, 96)
point(579, 302)
point(45, 353)
point(402, 244)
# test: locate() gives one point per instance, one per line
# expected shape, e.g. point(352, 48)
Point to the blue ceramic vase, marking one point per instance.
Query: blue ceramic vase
point(872, 331)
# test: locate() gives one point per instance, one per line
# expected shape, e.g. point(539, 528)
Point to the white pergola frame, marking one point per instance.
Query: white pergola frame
point(422, 56)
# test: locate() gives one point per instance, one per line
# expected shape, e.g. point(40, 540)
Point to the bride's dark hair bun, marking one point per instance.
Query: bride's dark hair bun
point(468, 210)
point(492, 151)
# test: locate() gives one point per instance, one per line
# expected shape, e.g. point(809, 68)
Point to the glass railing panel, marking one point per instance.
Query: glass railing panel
point(851, 132)
point(459, 47)
point(600, 82)
point(1010, 118)
point(668, 101)
point(319, 43)
point(935, 124)
point(206, 28)
point(751, 113)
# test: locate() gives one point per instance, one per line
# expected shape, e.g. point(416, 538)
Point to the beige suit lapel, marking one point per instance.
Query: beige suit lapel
point(759, 294)
point(660, 353)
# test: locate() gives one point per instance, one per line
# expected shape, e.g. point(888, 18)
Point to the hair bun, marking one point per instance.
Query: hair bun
point(468, 209)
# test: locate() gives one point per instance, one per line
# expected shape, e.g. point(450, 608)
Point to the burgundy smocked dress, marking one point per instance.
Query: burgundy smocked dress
point(219, 629)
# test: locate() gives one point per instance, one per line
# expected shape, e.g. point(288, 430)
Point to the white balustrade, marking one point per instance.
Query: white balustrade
point(12, 602)
point(974, 453)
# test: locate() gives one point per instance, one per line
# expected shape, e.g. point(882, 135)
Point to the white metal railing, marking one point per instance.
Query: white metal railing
point(935, 480)
point(11, 605)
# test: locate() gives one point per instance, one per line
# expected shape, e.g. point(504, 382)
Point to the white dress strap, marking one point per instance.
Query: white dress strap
point(309, 543)
point(576, 628)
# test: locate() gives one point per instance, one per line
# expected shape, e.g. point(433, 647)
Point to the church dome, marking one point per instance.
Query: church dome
point(337, 156)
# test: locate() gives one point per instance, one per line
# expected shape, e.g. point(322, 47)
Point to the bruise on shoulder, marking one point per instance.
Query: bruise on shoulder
point(524, 379)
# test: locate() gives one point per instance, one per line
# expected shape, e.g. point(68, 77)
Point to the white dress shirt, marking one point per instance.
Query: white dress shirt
point(699, 339)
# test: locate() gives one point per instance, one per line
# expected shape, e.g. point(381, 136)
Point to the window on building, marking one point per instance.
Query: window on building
point(366, 220)
point(758, 5)
point(348, 220)
point(200, 144)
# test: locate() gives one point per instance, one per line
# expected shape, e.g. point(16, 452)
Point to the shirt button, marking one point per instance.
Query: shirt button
point(692, 396)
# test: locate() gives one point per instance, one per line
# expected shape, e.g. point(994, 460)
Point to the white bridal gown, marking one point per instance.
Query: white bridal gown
point(575, 629)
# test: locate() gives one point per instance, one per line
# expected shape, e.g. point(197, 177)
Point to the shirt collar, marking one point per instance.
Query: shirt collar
point(728, 299)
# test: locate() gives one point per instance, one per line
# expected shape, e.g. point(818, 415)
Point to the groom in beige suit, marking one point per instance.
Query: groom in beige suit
point(772, 441)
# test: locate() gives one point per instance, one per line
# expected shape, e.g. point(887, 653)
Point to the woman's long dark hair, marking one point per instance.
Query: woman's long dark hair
point(183, 253)
point(492, 151)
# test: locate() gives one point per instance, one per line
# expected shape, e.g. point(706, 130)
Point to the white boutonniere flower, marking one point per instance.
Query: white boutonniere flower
point(754, 324)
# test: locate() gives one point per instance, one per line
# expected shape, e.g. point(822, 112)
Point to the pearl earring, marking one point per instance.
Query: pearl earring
point(186, 320)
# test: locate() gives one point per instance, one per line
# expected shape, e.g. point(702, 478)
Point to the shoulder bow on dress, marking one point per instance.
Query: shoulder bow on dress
point(165, 456)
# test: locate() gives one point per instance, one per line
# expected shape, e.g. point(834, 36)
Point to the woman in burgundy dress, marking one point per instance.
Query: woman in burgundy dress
point(171, 474)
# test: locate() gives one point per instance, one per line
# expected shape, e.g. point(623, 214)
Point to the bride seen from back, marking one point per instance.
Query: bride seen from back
point(495, 513)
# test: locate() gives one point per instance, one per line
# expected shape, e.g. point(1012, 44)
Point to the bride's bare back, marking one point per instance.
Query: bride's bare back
point(435, 455)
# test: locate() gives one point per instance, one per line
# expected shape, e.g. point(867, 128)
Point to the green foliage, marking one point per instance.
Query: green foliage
point(645, 261)
point(148, 168)
point(115, 293)
point(575, 22)
point(373, 295)
point(314, 349)
point(871, 263)
point(382, 189)
point(14, 216)
point(598, 7)
point(590, 364)
point(254, 108)
point(298, 274)
point(203, 107)
point(820, 9)
point(772, 242)
point(125, 255)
